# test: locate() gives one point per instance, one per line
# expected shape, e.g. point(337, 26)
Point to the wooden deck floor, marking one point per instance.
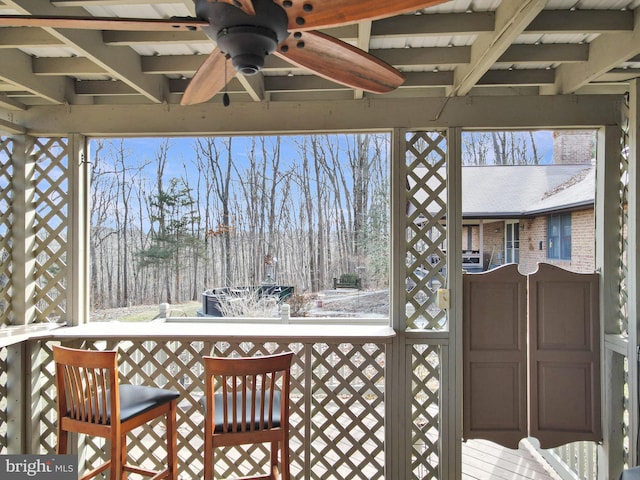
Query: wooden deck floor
point(484, 460)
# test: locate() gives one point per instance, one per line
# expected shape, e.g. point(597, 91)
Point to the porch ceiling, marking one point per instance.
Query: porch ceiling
point(456, 49)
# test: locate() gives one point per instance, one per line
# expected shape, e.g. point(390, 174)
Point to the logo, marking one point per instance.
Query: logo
point(38, 467)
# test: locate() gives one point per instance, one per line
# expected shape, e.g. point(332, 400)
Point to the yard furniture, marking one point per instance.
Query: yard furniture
point(347, 280)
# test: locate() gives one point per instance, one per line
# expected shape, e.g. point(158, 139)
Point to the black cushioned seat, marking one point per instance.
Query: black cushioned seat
point(137, 399)
point(631, 474)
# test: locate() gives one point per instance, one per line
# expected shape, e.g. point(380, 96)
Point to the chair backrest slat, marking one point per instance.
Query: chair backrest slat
point(248, 389)
point(88, 385)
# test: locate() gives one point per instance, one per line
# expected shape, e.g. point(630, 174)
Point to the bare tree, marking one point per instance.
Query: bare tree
point(220, 184)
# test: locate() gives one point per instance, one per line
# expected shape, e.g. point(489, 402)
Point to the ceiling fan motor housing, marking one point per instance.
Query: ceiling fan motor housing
point(247, 39)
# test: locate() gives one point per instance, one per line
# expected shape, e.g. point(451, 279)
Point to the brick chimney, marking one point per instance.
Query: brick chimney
point(573, 146)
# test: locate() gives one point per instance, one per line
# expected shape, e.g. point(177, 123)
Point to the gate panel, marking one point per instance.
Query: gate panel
point(495, 356)
point(564, 336)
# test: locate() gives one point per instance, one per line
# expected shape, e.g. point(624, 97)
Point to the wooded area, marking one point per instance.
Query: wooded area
point(236, 212)
point(173, 217)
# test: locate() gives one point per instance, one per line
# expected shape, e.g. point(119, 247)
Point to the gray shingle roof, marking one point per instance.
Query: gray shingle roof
point(523, 190)
point(515, 191)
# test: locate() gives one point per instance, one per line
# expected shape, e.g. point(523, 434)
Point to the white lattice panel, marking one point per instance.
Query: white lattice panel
point(6, 200)
point(425, 412)
point(623, 225)
point(337, 420)
point(347, 431)
point(51, 182)
point(426, 233)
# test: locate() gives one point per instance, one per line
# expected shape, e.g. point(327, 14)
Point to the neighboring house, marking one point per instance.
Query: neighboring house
point(528, 214)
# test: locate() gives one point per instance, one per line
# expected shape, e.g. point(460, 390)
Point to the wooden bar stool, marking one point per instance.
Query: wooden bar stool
point(251, 406)
point(92, 401)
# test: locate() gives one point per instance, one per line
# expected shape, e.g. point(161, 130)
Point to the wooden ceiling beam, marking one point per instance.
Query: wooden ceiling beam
point(96, 88)
point(16, 68)
point(253, 84)
point(363, 43)
point(517, 77)
point(605, 53)
point(437, 24)
point(27, 37)
point(9, 103)
point(128, 38)
point(552, 53)
point(71, 66)
point(583, 21)
point(512, 17)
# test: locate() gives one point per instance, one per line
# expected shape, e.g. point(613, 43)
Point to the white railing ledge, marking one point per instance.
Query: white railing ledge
point(223, 331)
point(369, 321)
point(618, 343)
point(13, 334)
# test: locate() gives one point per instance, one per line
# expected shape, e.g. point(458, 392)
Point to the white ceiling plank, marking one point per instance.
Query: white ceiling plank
point(104, 3)
point(605, 52)
point(512, 17)
point(111, 3)
point(121, 63)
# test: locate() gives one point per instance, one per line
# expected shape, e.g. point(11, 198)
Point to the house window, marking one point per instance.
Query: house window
point(559, 237)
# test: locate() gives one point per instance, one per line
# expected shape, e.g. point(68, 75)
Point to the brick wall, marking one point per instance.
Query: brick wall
point(532, 251)
point(493, 243)
point(534, 231)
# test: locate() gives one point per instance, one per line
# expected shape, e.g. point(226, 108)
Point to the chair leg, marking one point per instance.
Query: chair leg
point(273, 471)
point(284, 457)
point(208, 458)
point(172, 447)
point(116, 458)
point(123, 457)
point(63, 441)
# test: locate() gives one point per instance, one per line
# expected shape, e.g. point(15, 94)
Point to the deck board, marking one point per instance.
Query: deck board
point(484, 460)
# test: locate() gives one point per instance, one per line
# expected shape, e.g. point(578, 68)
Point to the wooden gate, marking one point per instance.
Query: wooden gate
point(531, 356)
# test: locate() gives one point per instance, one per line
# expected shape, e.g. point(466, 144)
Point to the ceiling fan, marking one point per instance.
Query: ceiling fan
point(247, 31)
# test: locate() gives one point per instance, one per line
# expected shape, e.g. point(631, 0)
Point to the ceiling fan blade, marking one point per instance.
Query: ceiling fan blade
point(103, 23)
point(210, 78)
point(340, 62)
point(331, 13)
